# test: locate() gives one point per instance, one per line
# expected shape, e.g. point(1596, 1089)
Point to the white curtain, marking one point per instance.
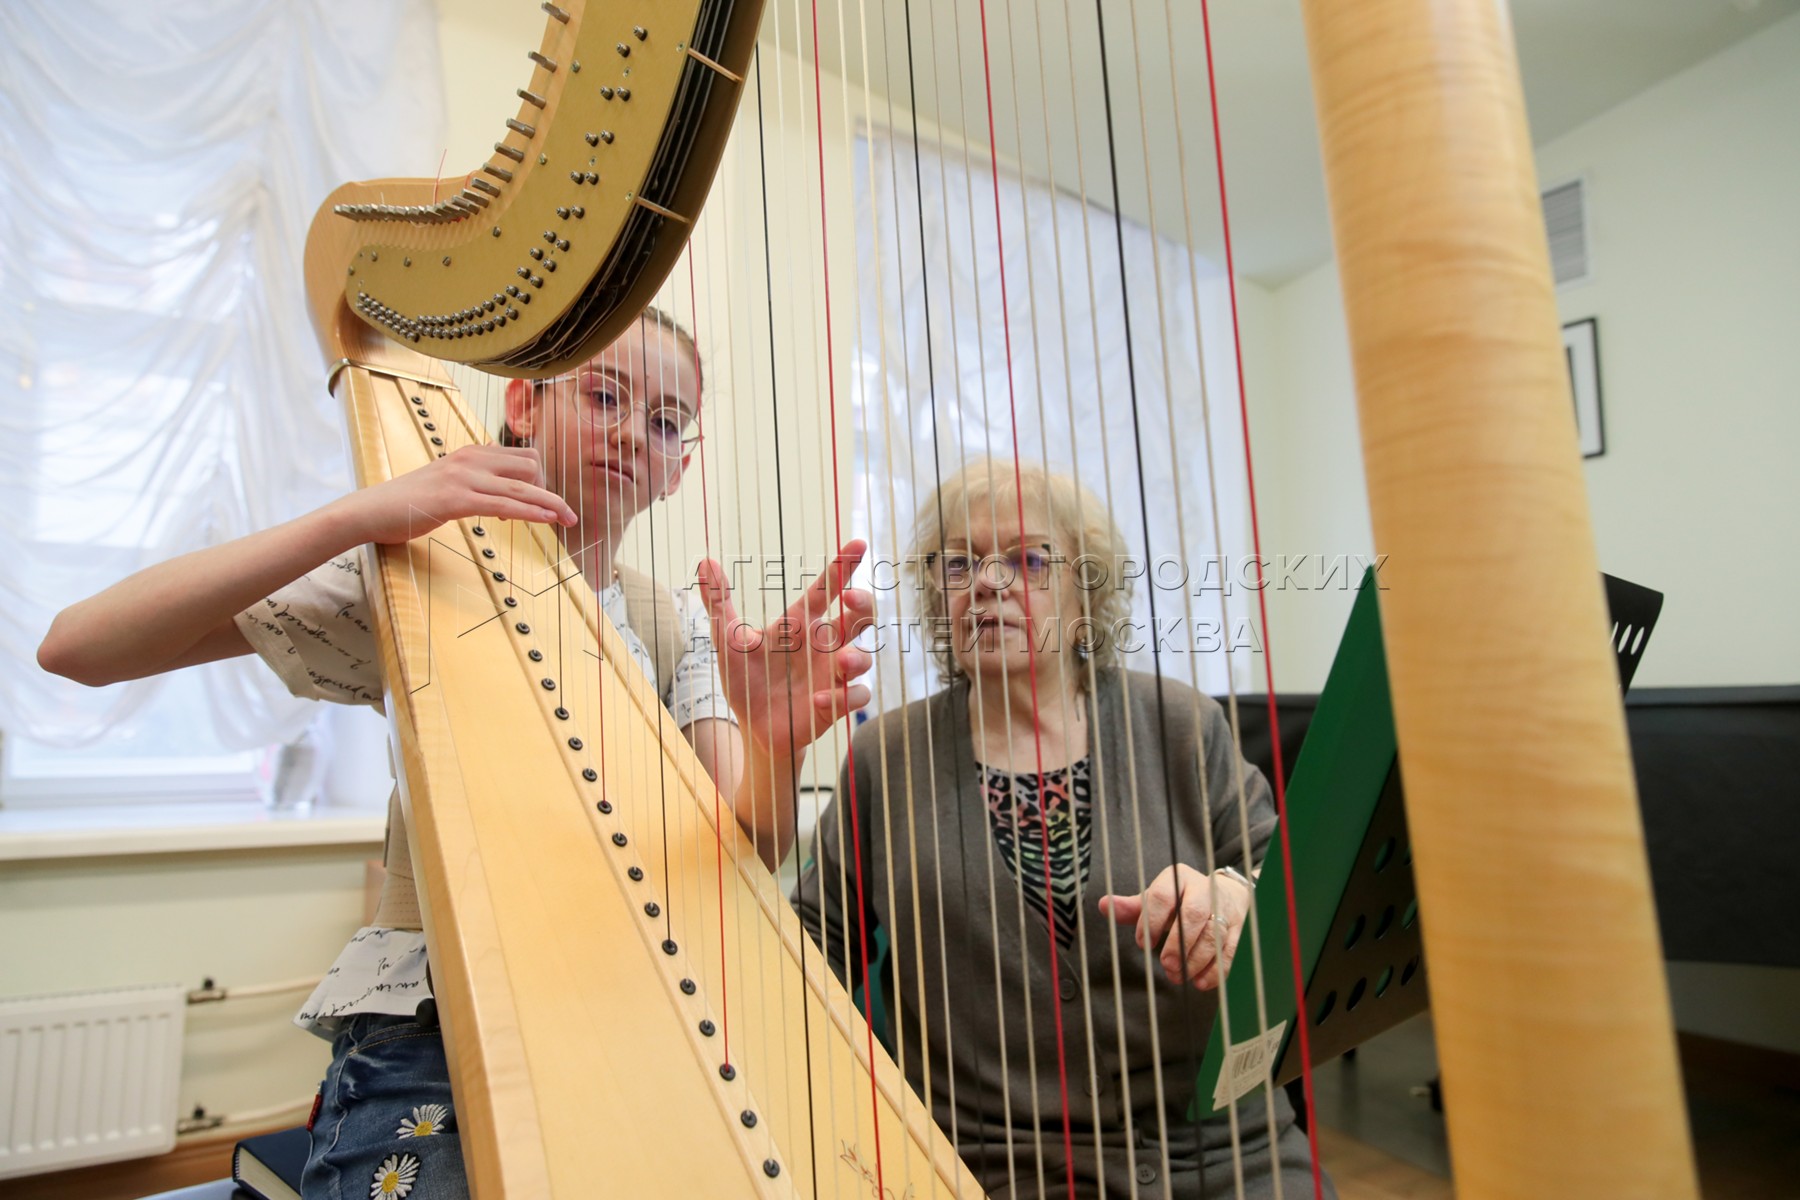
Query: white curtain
point(160, 387)
point(1125, 415)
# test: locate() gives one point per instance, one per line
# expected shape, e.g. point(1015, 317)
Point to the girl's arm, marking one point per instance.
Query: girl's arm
point(759, 786)
point(181, 612)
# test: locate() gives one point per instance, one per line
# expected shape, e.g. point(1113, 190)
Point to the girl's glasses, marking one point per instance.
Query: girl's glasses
point(956, 569)
point(605, 403)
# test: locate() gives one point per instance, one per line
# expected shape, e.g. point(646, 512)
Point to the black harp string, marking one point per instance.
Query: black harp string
point(909, 791)
point(743, 418)
point(1051, 944)
point(796, 143)
point(915, 954)
point(721, 836)
point(1129, 1109)
point(1189, 1003)
point(711, 496)
point(781, 533)
point(1206, 800)
point(861, 835)
point(975, 683)
point(1095, 750)
point(1252, 925)
point(957, 765)
point(1031, 292)
point(1050, 915)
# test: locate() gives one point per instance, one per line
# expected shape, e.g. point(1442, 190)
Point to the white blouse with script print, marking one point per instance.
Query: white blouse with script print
point(318, 635)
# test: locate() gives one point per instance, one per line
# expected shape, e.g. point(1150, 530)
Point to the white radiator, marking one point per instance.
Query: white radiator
point(88, 1077)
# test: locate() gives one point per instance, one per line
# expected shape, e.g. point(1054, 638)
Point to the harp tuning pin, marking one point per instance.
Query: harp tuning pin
point(639, 32)
point(624, 93)
point(593, 139)
point(516, 155)
point(556, 12)
point(532, 98)
point(606, 93)
point(518, 126)
point(606, 136)
point(549, 64)
point(562, 212)
point(578, 212)
point(623, 49)
point(482, 185)
point(575, 176)
point(591, 177)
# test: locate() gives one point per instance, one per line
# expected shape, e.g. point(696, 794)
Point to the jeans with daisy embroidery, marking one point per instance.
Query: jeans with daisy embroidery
point(386, 1126)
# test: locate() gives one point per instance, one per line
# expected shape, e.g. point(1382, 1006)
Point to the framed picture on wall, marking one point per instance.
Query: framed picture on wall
point(1581, 347)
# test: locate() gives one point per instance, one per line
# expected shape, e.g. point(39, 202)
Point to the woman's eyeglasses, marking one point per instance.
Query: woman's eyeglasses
point(956, 569)
point(605, 403)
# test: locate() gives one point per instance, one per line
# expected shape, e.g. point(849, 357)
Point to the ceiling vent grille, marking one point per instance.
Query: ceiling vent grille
point(1566, 221)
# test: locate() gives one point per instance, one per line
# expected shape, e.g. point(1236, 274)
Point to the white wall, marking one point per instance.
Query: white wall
point(1694, 186)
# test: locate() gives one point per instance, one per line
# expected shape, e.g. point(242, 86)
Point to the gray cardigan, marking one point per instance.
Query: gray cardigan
point(971, 982)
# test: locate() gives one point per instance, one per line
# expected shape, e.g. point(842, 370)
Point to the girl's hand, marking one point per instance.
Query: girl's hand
point(504, 482)
point(1190, 947)
point(789, 683)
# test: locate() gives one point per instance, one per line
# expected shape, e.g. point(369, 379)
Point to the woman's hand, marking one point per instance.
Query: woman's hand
point(789, 683)
point(1190, 949)
point(503, 482)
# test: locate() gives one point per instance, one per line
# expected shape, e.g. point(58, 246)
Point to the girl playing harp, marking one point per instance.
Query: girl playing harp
point(1036, 843)
point(588, 453)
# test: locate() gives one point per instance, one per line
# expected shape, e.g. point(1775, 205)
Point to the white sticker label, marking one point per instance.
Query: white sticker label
point(1247, 1064)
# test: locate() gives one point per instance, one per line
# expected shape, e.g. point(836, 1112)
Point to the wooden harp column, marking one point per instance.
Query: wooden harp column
point(1549, 997)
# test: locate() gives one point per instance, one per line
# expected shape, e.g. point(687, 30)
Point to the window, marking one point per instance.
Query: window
point(920, 416)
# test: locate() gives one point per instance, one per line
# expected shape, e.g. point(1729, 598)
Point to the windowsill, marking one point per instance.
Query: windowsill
point(128, 829)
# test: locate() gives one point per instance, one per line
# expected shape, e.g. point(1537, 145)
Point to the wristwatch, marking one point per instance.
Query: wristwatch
point(1237, 876)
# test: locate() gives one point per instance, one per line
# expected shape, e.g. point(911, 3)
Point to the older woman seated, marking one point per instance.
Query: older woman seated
point(1035, 839)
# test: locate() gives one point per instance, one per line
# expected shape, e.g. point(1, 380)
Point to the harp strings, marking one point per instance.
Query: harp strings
point(1075, 452)
point(783, 358)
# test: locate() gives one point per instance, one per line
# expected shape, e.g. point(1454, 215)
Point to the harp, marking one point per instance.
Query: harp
point(584, 1035)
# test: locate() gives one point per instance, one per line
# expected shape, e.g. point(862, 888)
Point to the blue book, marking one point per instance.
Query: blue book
point(269, 1166)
